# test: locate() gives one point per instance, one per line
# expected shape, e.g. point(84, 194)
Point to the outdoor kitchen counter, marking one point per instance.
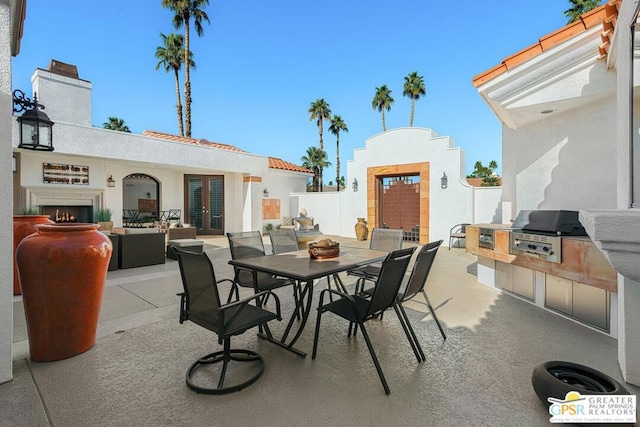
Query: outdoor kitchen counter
point(581, 262)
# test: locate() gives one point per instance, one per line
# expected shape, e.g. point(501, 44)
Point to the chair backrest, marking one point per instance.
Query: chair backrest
point(199, 283)
point(386, 239)
point(459, 228)
point(283, 240)
point(421, 269)
point(245, 244)
point(388, 284)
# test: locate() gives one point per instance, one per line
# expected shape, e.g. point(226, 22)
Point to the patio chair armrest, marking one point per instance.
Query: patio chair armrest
point(246, 301)
point(183, 306)
point(352, 302)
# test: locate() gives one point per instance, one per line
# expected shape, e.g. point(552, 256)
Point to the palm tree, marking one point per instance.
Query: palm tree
point(319, 111)
point(337, 125)
point(413, 88)
point(115, 123)
point(382, 100)
point(171, 57)
point(315, 159)
point(579, 7)
point(185, 10)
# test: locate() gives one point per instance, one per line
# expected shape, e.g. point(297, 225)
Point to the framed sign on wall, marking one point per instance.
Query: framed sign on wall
point(54, 173)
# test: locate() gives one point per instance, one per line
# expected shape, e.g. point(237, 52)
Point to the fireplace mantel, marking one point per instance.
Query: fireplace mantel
point(59, 195)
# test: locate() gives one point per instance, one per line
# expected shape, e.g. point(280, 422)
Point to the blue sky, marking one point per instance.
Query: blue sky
point(260, 65)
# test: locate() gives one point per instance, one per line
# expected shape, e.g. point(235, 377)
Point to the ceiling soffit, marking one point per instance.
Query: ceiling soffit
point(560, 78)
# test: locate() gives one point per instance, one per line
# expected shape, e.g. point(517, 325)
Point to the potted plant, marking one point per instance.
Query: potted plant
point(103, 218)
point(23, 225)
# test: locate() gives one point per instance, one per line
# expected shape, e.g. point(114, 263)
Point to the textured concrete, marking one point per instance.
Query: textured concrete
point(481, 375)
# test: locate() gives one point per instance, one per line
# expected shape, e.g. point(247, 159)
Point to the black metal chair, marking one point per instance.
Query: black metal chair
point(382, 239)
point(283, 240)
point(357, 310)
point(458, 231)
point(200, 303)
point(416, 284)
point(247, 244)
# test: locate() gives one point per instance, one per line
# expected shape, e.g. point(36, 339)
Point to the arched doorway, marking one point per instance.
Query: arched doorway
point(141, 192)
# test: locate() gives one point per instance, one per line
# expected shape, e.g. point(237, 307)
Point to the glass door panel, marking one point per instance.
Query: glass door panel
point(205, 203)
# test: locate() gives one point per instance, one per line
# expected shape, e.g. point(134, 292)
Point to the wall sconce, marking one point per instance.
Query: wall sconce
point(15, 164)
point(35, 125)
point(265, 192)
point(354, 185)
point(110, 181)
point(444, 181)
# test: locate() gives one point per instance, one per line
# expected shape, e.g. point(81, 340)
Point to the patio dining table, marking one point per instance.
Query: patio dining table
point(301, 267)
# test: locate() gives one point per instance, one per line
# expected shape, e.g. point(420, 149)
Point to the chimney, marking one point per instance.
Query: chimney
point(67, 98)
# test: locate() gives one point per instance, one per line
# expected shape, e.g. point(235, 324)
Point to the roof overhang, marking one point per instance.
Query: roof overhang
point(559, 79)
point(18, 13)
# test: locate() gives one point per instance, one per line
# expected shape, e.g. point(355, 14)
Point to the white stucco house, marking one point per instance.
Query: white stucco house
point(570, 123)
point(216, 187)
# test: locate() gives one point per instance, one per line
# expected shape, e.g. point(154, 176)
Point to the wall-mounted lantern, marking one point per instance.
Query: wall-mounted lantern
point(265, 192)
point(444, 181)
point(110, 181)
point(354, 185)
point(35, 126)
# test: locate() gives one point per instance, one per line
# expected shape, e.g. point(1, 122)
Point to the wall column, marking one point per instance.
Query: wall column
point(252, 207)
point(6, 190)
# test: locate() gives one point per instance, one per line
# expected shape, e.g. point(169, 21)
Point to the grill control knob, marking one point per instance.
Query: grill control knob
point(545, 248)
point(532, 247)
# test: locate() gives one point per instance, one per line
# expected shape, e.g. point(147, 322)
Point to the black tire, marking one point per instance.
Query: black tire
point(557, 378)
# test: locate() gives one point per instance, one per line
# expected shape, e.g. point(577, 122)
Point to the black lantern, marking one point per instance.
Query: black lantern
point(35, 125)
point(444, 181)
point(110, 181)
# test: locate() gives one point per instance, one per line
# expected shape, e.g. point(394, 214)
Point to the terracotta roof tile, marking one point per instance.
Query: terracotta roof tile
point(606, 15)
point(276, 163)
point(185, 140)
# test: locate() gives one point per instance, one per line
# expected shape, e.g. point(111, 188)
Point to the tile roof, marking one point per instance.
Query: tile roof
point(185, 140)
point(607, 14)
point(276, 163)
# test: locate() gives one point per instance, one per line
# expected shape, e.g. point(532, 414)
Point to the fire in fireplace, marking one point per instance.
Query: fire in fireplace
point(69, 213)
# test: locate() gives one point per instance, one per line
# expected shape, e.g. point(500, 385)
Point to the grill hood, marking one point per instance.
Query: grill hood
point(546, 221)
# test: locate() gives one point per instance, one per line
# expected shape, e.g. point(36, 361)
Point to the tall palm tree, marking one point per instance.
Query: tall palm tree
point(319, 111)
point(579, 7)
point(315, 159)
point(382, 100)
point(413, 88)
point(171, 57)
point(337, 125)
point(115, 123)
point(184, 11)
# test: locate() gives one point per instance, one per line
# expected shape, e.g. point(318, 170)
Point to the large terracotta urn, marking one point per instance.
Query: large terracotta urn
point(62, 268)
point(23, 225)
point(362, 231)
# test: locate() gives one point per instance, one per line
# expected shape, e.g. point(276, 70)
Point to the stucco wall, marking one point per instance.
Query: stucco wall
point(6, 227)
point(280, 186)
point(566, 161)
point(68, 100)
point(457, 203)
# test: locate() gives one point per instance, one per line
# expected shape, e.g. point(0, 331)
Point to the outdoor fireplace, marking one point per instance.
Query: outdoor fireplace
point(62, 214)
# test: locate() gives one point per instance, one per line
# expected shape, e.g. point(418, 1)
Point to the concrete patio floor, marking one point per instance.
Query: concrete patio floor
point(134, 375)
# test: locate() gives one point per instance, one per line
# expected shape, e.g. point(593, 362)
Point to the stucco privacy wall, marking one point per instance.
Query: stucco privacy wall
point(400, 149)
point(6, 233)
point(563, 162)
point(447, 207)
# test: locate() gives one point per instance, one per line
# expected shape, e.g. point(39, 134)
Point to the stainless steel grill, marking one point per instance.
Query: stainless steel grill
point(538, 233)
